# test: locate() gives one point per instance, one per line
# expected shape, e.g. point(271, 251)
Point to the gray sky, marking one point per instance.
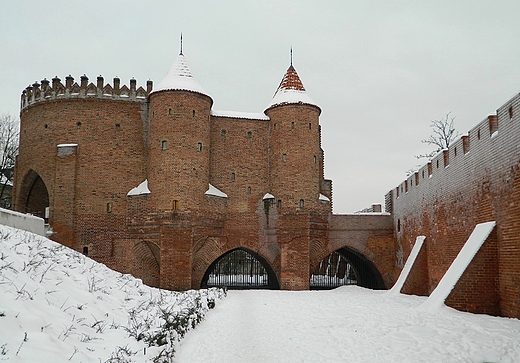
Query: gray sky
point(380, 70)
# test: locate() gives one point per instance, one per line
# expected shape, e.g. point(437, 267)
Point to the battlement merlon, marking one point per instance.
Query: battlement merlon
point(45, 91)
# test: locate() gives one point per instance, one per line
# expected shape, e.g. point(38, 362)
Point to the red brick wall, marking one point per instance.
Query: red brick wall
point(480, 183)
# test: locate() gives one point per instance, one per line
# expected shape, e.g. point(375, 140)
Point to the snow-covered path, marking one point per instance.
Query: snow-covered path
point(349, 324)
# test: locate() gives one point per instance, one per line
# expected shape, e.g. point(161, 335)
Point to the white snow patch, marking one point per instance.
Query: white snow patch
point(268, 196)
point(179, 77)
point(290, 96)
point(140, 189)
point(67, 145)
point(215, 192)
point(396, 289)
point(459, 265)
point(236, 114)
point(324, 198)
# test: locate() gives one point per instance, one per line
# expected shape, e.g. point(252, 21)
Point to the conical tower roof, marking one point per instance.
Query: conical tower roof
point(179, 77)
point(290, 91)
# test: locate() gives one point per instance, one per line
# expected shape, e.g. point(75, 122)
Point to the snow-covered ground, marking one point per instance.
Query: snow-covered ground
point(59, 306)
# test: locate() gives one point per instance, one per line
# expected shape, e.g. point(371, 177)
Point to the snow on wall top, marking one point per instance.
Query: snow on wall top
point(215, 192)
point(290, 91)
point(235, 114)
point(140, 189)
point(179, 77)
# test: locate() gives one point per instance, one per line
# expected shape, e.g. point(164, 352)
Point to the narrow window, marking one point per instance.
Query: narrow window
point(118, 127)
point(249, 134)
point(284, 158)
point(398, 225)
point(164, 145)
point(248, 190)
point(314, 159)
point(193, 113)
point(274, 127)
point(455, 151)
point(223, 132)
point(292, 125)
point(437, 164)
point(232, 176)
point(85, 250)
point(46, 126)
point(302, 203)
point(279, 203)
point(310, 126)
point(478, 134)
point(175, 205)
point(406, 186)
point(397, 192)
point(109, 207)
point(169, 111)
point(510, 112)
point(78, 125)
point(199, 147)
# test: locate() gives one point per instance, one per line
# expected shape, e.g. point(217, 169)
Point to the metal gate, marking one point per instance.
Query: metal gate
point(240, 269)
point(346, 267)
point(333, 271)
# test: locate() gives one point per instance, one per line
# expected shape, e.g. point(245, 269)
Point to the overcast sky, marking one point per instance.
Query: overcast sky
point(379, 70)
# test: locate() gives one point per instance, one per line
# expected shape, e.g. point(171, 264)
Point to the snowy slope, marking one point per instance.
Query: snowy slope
point(56, 305)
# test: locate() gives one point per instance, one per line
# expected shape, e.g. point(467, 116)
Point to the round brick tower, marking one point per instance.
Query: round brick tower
point(295, 155)
point(178, 165)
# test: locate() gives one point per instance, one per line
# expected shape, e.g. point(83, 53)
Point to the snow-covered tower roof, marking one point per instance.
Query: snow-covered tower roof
point(179, 77)
point(290, 91)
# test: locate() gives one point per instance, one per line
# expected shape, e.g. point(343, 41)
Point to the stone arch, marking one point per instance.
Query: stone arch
point(245, 268)
point(146, 262)
point(33, 197)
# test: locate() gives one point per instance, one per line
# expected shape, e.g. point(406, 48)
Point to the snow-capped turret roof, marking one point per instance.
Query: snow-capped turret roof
point(179, 77)
point(290, 91)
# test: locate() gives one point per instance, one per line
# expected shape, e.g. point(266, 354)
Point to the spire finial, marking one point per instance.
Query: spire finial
point(291, 55)
point(181, 46)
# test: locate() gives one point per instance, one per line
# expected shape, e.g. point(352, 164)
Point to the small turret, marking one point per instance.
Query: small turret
point(178, 166)
point(295, 156)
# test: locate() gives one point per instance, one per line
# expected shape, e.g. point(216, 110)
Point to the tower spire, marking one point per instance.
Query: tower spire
point(181, 45)
point(291, 55)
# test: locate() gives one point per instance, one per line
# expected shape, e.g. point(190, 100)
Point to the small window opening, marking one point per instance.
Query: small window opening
point(109, 207)
point(78, 125)
point(193, 113)
point(175, 205)
point(455, 151)
point(232, 176)
point(292, 125)
point(284, 158)
point(302, 203)
point(314, 159)
point(437, 164)
point(398, 225)
point(279, 203)
point(153, 113)
point(118, 127)
point(199, 147)
point(274, 127)
point(249, 134)
point(85, 250)
point(478, 134)
point(248, 190)
point(164, 145)
point(223, 132)
point(510, 112)
point(310, 126)
point(46, 126)
point(169, 111)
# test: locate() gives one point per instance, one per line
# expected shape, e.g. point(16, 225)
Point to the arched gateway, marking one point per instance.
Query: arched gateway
point(34, 197)
point(240, 269)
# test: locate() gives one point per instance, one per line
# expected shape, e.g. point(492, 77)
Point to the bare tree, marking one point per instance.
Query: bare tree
point(9, 132)
point(443, 135)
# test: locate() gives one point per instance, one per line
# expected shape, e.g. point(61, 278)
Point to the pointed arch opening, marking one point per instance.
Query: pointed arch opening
point(346, 267)
point(240, 268)
point(34, 196)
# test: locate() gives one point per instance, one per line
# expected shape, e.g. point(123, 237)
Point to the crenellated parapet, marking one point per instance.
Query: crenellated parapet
point(45, 90)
